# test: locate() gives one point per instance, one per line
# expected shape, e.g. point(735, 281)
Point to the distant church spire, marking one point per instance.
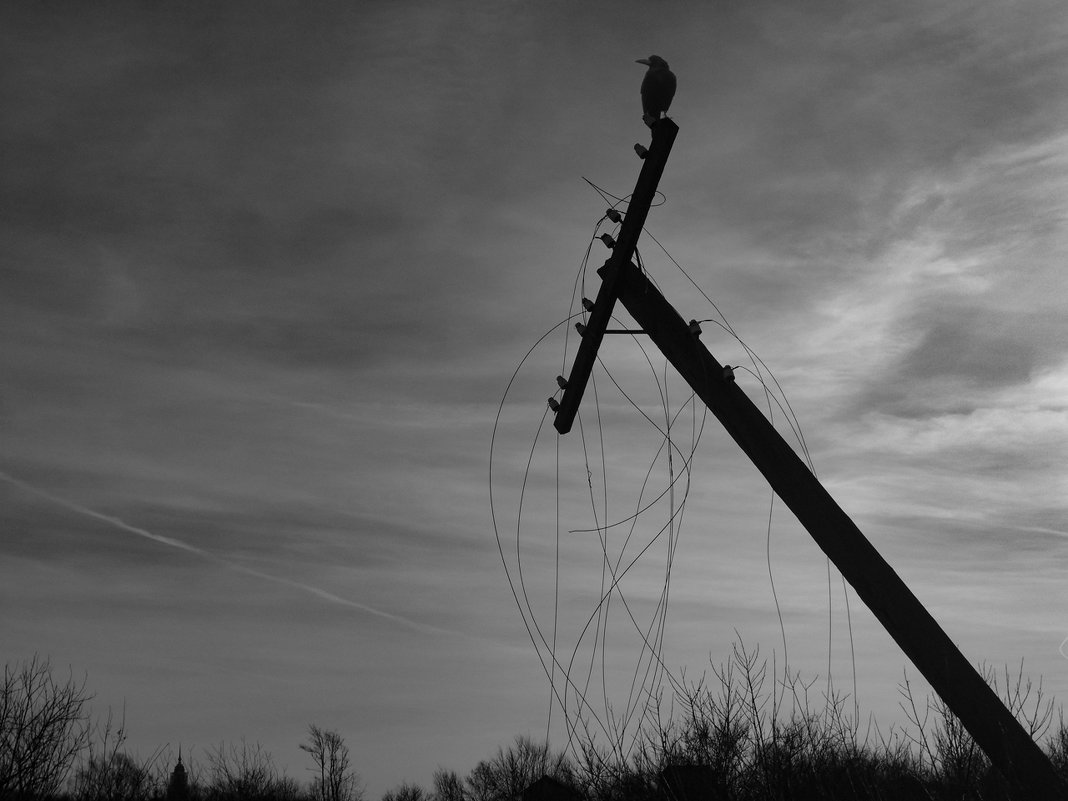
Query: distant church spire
point(178, 787)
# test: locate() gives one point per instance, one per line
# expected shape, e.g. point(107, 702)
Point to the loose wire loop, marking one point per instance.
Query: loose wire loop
point(597, 720)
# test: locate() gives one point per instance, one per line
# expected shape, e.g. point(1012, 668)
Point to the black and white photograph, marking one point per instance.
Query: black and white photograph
point(504, 401)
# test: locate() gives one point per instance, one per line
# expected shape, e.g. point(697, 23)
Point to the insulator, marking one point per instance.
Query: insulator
point(587, 304)
point(554, 404)
point(561, 382)
point(580, 328)
point(695, 328)
point(641, 151)
point(728, 372)
point(614, 216)
point(609, 242)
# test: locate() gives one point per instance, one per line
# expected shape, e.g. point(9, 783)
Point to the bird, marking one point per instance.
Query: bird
point(658, 87)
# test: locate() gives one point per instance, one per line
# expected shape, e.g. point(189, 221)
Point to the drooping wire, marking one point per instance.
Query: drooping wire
point(654, 647)
point(606, 594)
point(760, 368)
point(795, 427)
point(650, 668)
point(522, 597)
point(526, 610)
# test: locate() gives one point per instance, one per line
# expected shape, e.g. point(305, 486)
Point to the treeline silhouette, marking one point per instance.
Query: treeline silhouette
point(742, 735)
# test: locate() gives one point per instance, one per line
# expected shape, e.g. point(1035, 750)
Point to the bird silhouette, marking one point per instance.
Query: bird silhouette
point(658, 87)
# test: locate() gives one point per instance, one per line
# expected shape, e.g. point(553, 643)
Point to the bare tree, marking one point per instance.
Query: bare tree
point(1058, 748)
point(509, 773)
point(115, 777)
point(245, 772)
point(336, 780)
point(448, 786)
point(407, 792)
point(109, 773)
point(44, 725)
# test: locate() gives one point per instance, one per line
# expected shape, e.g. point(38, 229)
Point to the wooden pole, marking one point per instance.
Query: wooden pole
point(656, 157)
point(971, 699)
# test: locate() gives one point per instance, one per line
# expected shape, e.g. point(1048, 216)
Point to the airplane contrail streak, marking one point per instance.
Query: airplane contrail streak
point(239, 568)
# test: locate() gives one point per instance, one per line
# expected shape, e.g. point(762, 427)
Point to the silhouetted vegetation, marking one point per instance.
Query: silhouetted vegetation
point(107, 772)
point(246, 771)
point(336, 781)
point(741, 735)
point(44, 727)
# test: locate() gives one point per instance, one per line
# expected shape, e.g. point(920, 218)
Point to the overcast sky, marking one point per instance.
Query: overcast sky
point(268, 268)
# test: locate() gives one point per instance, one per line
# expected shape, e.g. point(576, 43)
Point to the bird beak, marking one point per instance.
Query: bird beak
point(644, 61)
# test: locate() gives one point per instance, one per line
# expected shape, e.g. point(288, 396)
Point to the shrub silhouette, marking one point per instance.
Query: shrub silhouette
point(741, 735)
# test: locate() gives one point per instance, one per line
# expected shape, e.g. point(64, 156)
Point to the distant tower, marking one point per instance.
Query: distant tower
point(178, 787)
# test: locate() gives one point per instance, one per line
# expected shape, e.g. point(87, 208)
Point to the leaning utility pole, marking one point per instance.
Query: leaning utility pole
point(994, 728)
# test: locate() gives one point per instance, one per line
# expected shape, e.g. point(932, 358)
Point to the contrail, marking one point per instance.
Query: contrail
point(184, 546)
point(114, 521)
point(1042, 530)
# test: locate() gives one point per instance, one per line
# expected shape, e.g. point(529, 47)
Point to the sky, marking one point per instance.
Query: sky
point(269, 268)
